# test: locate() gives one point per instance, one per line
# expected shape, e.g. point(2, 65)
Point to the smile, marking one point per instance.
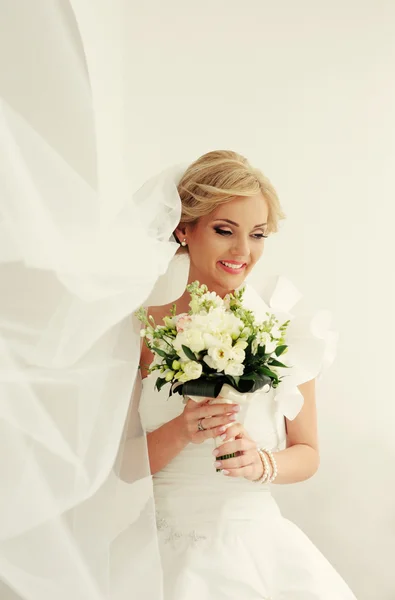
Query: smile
point(232, 267)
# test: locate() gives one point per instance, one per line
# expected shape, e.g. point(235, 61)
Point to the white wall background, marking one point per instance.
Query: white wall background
point(306, 90)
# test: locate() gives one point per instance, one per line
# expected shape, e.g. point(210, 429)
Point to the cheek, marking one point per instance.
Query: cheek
point(212, 247)
point(256, 252)
point(207, 249)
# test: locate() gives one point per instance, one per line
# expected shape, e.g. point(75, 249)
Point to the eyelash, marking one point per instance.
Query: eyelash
point(226, 232)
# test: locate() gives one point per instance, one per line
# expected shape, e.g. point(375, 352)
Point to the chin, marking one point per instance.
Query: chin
point(228, 282)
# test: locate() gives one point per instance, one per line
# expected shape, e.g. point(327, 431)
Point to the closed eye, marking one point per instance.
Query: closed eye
point(227, 232)
point(222, 231)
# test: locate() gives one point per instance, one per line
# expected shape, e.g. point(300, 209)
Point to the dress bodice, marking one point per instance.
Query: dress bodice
point(189, 487)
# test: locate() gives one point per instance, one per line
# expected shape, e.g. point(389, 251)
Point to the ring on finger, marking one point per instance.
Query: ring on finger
point(200, 426)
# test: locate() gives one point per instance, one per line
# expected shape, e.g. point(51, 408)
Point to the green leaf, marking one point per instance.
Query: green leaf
point(268, 372)
point(169, 362)
point(161, 353)
point(280, 349)
point(276, 363)
point(160, 382)
point(191, 355)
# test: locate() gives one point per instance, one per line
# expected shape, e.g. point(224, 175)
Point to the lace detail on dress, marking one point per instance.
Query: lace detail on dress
point(172, 535)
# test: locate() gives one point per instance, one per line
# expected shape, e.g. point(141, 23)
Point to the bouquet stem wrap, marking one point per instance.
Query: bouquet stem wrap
point(228, 395)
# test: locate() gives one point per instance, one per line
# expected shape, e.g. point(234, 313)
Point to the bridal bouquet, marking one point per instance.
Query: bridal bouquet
point(217, 347)
point(217, 342)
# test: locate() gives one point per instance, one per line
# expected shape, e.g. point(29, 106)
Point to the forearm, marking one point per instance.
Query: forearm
point(296, 463)
point(164, 444)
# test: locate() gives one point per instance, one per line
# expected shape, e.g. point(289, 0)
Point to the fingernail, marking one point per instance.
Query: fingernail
point(225, 472)
point(217, 463)
point(223, 437)
point(215, 452)
point(232, 418)
point(236, 408)
point(221, 429)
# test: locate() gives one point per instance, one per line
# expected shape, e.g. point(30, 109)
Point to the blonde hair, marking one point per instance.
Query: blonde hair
point(218, 177)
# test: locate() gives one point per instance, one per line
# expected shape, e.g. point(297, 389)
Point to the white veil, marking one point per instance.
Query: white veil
point(76, 510)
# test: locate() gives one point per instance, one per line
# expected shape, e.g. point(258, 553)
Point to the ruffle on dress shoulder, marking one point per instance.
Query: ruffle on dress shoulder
point(311, 341)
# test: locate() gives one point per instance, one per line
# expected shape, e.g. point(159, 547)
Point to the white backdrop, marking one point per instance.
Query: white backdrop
point(306, 91)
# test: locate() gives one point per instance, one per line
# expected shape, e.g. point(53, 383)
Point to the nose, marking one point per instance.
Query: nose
point(241, 247)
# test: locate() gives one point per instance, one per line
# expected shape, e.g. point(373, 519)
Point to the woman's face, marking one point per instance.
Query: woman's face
point(226, 244)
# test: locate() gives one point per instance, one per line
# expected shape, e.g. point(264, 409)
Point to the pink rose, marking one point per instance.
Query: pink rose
point(182, 321)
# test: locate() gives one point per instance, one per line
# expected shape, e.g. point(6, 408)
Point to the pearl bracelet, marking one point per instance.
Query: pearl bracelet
point(273, 462)
point(266, 467)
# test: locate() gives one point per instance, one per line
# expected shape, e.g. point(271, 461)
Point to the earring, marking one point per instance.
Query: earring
point(184, 242)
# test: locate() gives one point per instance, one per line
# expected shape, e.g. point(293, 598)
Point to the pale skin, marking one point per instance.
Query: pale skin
point(234, 232)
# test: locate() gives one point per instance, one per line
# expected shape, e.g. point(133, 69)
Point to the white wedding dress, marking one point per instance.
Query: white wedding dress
point(224, 538)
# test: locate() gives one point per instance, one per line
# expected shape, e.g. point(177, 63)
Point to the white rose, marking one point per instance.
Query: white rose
point(238, 354)
point(217, 358)
point(192, 369)
point(194, 340)
point(226, 339)
point(219, 354)
point(191, 338)
point(212, 322)
point(211, 341)
point(234, 368)
point(209, 361)
point(233, 325)
point(180, 340)
point(182, 322)
point(241, 344)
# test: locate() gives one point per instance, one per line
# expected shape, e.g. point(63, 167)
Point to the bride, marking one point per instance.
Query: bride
point(221, 533)
point(71, 237)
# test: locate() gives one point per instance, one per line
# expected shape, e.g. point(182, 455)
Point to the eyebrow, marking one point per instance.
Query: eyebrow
point(237, 225)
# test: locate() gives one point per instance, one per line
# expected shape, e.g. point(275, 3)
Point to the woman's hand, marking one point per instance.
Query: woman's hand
point(248, 463)
point(212, 417)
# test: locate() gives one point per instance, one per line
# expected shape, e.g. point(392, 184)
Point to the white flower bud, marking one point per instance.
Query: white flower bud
point(169, 376)
point(192, 369)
